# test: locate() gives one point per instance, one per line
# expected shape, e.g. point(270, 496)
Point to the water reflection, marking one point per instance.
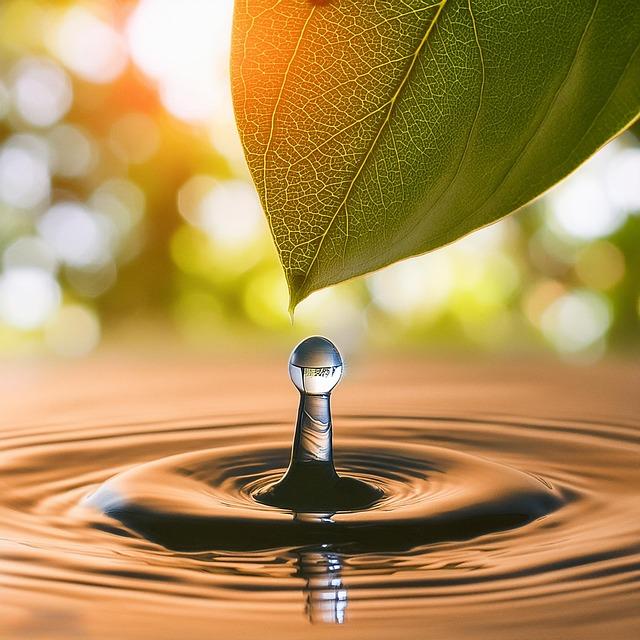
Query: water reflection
point(325, 593)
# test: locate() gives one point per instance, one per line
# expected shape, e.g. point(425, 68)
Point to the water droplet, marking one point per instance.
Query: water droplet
point(311, 483)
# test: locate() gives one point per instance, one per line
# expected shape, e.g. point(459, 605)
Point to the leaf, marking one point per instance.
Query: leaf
point(380, 129)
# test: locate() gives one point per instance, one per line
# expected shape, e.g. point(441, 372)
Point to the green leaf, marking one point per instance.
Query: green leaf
point(380, 129)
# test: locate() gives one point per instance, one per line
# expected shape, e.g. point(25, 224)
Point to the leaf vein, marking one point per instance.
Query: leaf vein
point(276, 106)
point(372, 146)
point(547, 112)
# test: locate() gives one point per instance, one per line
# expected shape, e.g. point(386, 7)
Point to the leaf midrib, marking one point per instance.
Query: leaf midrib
point(366, 156)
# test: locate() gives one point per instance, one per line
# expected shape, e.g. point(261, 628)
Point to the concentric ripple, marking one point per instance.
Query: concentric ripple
point(206, 500)
point(483, 520)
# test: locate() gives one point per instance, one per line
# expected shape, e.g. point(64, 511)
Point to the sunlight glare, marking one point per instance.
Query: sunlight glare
point(184, 47)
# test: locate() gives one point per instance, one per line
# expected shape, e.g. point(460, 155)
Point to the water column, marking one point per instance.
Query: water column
point(311, 483)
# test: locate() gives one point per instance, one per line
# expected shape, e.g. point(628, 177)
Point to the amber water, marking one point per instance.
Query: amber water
point(507, 505)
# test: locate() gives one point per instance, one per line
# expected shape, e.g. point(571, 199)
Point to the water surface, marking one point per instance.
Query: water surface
point(510, 505)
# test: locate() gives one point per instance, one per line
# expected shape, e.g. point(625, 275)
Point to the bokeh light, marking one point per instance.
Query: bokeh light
point(414, 287)
point(184, 46)
point(88, 46)
point(126, 210)
point(583, 207)
point(73, 331)
point(72, 151)
point(41, 91)
point(622, 179)
point(28, 297)
point(134, 138)
point(4, 101)
point(576, 321)
point(79, 236)
point(24, 171)
point(29, 251)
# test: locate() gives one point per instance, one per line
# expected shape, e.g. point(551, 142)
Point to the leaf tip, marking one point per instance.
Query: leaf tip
point(294, 301)
point(298, 290)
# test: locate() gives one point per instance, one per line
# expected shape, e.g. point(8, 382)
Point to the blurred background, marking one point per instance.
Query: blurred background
point(128, 219)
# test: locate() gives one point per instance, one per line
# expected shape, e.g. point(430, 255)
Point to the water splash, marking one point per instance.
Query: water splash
point(311, 484)
point(390, 496)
